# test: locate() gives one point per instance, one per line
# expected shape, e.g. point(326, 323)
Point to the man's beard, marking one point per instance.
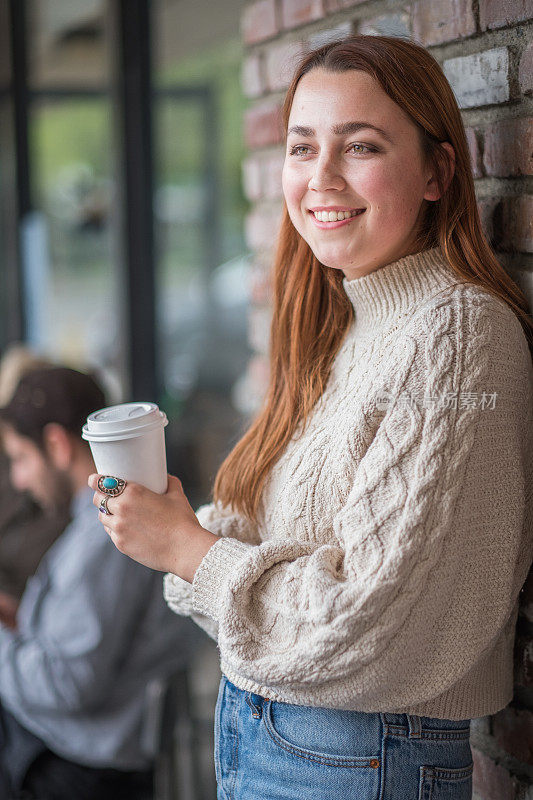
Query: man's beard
point(60, 492)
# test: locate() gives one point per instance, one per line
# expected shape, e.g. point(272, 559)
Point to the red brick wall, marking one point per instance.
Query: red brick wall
point(485, 49)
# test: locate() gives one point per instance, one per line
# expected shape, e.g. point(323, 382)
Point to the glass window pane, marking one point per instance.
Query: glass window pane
point(70, 282)
point(202, 261)
point(72, 302)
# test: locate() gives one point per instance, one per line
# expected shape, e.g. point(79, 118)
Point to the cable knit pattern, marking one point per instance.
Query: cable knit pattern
point(395, 531)
point(222, 522)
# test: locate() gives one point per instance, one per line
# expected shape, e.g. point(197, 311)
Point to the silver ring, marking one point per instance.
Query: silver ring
point(103, 507)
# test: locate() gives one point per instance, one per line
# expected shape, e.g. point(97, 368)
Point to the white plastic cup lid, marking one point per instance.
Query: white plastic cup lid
point(124, 421)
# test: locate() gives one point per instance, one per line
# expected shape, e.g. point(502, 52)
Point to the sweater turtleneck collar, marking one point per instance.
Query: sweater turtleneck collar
point(399, 285)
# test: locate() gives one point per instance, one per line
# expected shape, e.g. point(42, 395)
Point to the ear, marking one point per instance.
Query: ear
point(447, 163)
point(58, 445)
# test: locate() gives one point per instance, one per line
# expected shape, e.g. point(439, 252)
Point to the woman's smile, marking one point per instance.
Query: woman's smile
point(320, 218)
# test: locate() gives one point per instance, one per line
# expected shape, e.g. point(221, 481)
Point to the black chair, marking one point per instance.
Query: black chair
point(170, 735)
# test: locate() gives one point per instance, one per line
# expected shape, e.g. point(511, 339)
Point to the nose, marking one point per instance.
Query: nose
point(326, 175)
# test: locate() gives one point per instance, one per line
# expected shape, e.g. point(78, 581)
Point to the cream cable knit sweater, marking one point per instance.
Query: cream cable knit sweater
point(396, 530)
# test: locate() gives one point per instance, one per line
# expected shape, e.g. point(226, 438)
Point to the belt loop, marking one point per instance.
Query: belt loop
point(256, 710)
point(415, 726)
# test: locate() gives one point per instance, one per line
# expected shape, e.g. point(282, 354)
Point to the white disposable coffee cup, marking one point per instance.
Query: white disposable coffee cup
point(128, 441)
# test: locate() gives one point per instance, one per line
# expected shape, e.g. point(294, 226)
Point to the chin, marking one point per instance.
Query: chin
point(335, 262)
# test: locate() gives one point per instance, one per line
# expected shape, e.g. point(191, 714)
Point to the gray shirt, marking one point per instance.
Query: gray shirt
point(94, 629)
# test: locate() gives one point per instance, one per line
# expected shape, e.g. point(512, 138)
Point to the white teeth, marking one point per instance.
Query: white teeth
point(334, 216)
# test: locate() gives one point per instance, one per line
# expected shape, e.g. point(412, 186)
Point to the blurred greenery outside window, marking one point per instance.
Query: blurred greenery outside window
point(71, 292)
point(70, 142)
point(202, 292)
point(202, 263)
point(218, 68)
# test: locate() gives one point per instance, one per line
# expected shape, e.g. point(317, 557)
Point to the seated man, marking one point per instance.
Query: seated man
point(26, 530)
point(92, 628)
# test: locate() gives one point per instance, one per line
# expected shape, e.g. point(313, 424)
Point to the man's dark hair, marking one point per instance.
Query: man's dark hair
point(52, 394)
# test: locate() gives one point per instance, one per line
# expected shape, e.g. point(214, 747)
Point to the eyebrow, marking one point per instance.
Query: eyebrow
point(342, 129)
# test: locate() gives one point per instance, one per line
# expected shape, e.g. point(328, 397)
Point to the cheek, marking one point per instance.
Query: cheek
point(393, 192)
point(293, 192)
point(293, 186)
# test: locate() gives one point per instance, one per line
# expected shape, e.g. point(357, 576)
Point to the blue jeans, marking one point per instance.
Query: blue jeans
point(265, 750)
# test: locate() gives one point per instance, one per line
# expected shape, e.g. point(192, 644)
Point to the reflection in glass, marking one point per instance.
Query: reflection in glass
point(71, 299)
point(69, 273)
point(203, 265)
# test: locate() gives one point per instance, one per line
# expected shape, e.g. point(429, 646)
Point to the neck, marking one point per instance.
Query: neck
point(399, 286)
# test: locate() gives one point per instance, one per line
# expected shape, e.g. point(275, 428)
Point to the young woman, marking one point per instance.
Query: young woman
point(361, 563)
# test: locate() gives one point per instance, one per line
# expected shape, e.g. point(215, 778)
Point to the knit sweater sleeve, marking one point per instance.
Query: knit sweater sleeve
point(221, 521)
point(428, 554)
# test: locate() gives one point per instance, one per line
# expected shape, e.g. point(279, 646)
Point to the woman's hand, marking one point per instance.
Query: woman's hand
point(160, 531)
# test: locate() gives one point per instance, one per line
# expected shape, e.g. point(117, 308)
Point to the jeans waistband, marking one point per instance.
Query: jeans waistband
point(410, 724)
point(414, 724)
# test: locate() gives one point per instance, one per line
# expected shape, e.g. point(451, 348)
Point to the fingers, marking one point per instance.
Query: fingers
point(93, 481)
point(98, 497)
point(104, 519)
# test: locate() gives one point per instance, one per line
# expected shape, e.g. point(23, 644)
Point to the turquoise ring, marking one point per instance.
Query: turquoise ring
point(111, 486)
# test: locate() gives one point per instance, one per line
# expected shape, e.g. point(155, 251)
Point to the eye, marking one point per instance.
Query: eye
point(364, 146)
point(294, 150)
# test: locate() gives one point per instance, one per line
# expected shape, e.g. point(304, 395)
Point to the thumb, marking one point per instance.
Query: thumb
point(174, 484)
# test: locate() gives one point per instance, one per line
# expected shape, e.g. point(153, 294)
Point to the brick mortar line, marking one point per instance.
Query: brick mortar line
point(484, 116)
point(491, 186)
point(476, 14)
point(470, 45)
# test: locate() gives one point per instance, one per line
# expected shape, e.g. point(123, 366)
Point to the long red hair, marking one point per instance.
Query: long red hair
point(311, 311)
